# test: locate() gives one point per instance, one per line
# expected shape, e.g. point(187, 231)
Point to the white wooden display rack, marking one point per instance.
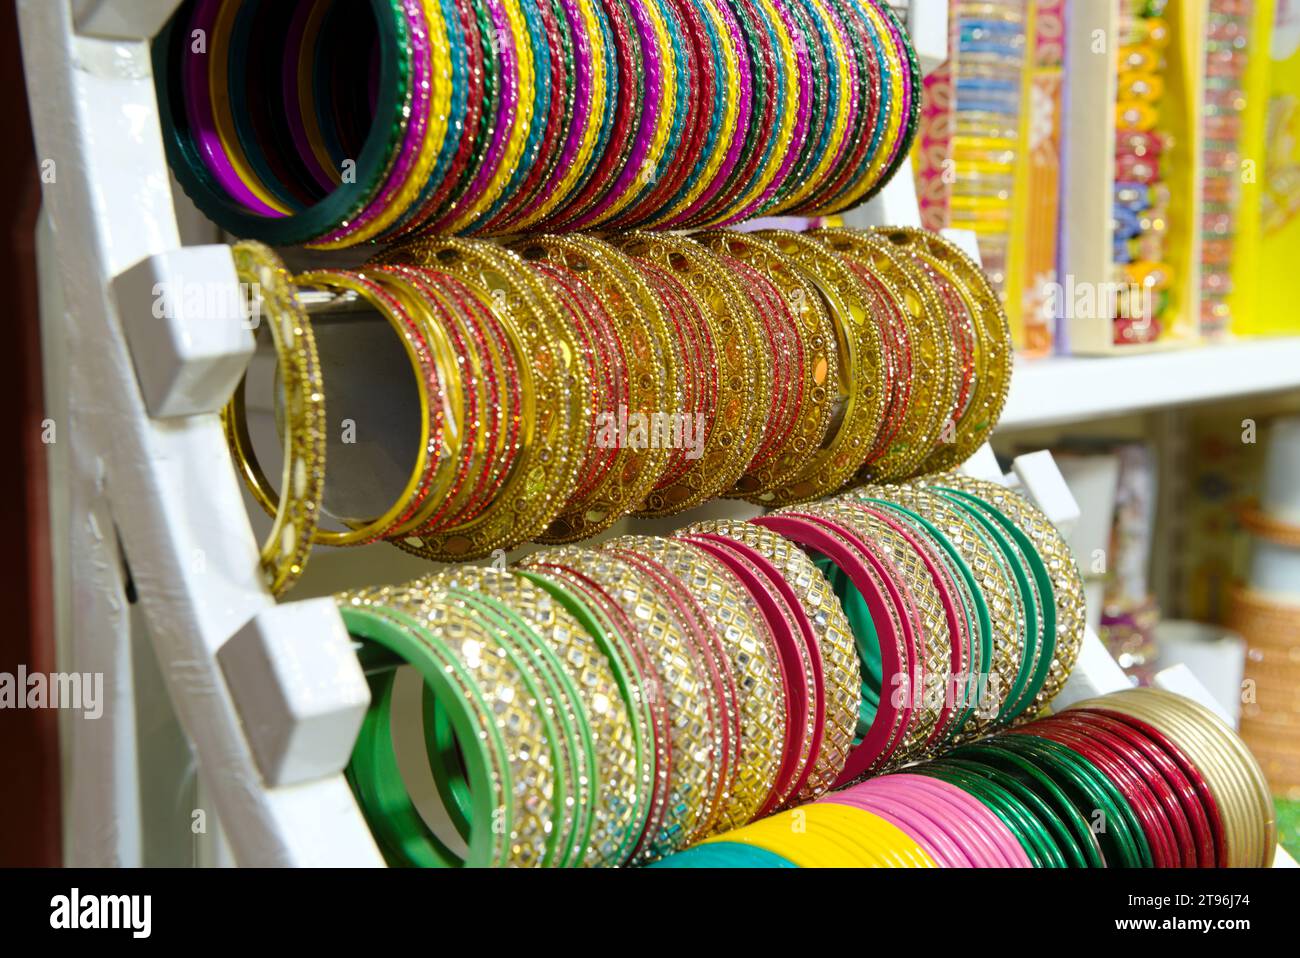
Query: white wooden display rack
point(269, 696)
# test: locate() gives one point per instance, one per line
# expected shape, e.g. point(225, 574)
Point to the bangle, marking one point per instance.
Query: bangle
point(617, 766)
point(861, 402)
point(1064, 584)
point(817, 360)
point(642, 344)
point(691, 749)
point(556, 397)
point(296, 510)
point(831, 653)
point(726, 449)
point(374, 773)
point(749, 655)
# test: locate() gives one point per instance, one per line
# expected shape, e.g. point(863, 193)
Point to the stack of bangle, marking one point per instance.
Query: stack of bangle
point(336, 123)
point(1142, 199)
point(566, 381)
point(624, 702)
point(1139, 778)
point(965, 604)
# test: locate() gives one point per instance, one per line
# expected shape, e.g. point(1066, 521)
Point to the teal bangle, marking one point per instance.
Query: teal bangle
point(724, 855)
point(1043, 594)
point(398, 827)
point(340, 205)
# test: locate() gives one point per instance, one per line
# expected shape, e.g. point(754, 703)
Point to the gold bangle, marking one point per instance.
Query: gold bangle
point(933, 370)
point(994, 354)
point(555, 390)
point(616, 778)
point(296, 510)
point(820, 367)
point(861, 405)
point(733, 436)
point(690, 756)
point(841, 690)
point(643, 339)
point(755, 665)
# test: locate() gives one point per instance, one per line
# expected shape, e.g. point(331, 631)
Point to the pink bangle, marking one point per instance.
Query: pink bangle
point(850, 554)
point(983, 850)
point(987, 825)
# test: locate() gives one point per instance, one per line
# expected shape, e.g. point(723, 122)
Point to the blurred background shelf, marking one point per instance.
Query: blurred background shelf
point(1057, 390)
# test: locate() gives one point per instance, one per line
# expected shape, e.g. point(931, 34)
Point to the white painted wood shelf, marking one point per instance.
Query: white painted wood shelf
point(1057, 390)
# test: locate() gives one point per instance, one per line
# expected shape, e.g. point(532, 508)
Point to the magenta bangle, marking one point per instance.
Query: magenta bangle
point(197, 84)
point(849, 553)
point(507, 108)
point(418, 120)
point(905, 81)
point(781, 615)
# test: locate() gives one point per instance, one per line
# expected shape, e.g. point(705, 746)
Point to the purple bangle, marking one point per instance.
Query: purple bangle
point(583, 104)
point(801, 118)
point(292, 106)
point(413, 142)
point(198, 105)
point(742, 118)
point(653, 69)
point(508, 107)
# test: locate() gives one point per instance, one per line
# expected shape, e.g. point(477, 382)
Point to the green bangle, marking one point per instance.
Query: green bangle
point(629, 683)
point(373, 773)
point(573, 827)
point(1059, 837)
point(993, 752)
point(1122, 839)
